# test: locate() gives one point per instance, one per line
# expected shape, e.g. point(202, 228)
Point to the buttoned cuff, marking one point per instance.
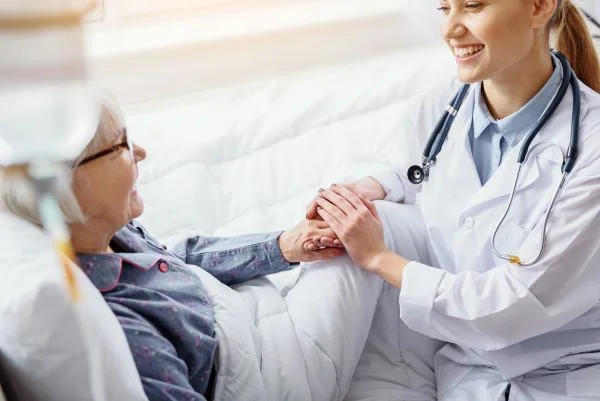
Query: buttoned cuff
point(392, 185)
point(420, 285)
point(276, 260)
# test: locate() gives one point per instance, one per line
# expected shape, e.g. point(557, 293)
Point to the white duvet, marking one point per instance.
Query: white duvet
point(333, 334)
point(301, 347)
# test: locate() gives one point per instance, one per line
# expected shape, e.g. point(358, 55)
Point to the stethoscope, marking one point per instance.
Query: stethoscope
point(418, 174)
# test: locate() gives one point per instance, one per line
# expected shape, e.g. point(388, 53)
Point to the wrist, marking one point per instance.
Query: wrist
point(377, 262)
point(388, 266)
point(282, 241)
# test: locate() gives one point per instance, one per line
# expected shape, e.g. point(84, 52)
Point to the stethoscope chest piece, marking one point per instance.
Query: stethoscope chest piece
point(416, 175)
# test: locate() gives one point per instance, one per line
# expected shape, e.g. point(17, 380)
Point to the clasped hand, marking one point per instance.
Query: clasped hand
point(348, 219)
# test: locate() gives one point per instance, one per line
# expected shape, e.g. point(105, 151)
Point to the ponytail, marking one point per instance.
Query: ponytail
point(572, 38)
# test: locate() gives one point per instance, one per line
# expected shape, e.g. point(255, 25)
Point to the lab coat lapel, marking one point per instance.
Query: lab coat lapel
point(500, 184)
point(456, 161)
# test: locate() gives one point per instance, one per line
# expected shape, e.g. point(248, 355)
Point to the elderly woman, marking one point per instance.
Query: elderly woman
point(156, 293)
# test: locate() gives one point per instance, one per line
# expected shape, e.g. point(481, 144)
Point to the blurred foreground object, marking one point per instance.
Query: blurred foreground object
point(46, 111)
point(47, 114)
point(53, 349)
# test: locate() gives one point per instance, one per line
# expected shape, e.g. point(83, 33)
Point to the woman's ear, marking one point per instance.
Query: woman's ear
point(542, 12)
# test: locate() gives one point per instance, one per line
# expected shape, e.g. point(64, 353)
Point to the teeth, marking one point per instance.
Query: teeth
point(467, 51)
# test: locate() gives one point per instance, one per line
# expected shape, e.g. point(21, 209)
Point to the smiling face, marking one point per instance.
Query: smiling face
point(105, 187)
point(489, 38)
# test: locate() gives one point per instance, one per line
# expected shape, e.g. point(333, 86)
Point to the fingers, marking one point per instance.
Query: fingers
point(329, 242)
point(361, 203)
point(325, 242)
point(334, 198)
point(327, 237)
point(350, 197)
point(333, 212)
point(328, 253)
point(311, 246)
point(370, 205)
point(311, 211)
point(328, 217)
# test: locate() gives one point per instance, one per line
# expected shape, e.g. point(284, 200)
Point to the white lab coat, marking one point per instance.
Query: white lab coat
point(537, 327)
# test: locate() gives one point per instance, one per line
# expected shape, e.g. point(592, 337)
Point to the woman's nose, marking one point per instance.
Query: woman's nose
point(139, 153)
point(453, 26)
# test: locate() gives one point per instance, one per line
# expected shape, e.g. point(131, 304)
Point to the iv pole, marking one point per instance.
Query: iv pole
point(39, 153)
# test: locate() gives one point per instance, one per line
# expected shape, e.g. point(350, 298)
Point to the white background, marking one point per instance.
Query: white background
point(138, 45)
point(592, 6)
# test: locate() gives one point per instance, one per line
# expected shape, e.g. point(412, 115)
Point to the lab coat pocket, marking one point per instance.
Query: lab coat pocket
point(531, 202)
point(584, 382)
point(510, 237)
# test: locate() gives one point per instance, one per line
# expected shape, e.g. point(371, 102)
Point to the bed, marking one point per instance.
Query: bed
point(249, 158)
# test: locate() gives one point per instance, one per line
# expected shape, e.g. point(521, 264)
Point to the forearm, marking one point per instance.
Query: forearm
point(390, 267)
point(237, 259)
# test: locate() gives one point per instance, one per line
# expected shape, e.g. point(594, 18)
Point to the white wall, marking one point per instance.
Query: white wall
point(425, 20)
point(146, 58)
point(156, 55)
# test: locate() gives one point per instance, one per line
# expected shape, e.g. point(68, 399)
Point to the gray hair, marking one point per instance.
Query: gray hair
point(17, 193)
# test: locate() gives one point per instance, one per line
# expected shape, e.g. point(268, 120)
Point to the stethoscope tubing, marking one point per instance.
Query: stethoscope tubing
point(435, 143)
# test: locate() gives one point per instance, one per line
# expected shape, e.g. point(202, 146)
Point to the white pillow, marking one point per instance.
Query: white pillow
point(56, 349)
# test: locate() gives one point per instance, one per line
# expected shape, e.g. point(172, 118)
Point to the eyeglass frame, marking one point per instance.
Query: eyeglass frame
point(126, 143)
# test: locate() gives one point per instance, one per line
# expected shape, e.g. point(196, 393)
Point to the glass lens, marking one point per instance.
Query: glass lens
point(129, 146)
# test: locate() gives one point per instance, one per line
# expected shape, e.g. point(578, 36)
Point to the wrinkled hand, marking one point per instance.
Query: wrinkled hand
point(298, 244)
point(356, 222)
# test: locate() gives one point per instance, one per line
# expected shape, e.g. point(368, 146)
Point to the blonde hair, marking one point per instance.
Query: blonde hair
point(572, 38)
point(17, 193)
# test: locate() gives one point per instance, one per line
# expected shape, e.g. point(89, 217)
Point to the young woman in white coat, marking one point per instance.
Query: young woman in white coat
point(522, 329)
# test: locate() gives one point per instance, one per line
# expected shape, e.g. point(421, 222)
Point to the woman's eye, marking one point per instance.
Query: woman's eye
point(473, 5)
point(444, 9)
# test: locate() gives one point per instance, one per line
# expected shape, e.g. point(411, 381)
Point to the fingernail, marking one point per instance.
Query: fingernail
point(312, 247)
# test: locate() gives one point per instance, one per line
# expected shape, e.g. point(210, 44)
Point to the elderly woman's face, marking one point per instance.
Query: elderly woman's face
point(106, 186)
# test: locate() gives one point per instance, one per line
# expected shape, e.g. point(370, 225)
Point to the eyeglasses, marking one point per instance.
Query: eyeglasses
point(126, 143)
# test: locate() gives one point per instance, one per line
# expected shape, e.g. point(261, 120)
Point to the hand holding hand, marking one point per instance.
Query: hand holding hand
point(356, 222)
point(299, 244)
point(367, 187)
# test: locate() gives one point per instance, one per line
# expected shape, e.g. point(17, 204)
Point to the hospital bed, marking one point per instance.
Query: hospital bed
point(249, 157)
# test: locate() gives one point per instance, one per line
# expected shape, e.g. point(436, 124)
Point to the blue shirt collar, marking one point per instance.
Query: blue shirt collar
point(515, 126)
point(104, 269)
